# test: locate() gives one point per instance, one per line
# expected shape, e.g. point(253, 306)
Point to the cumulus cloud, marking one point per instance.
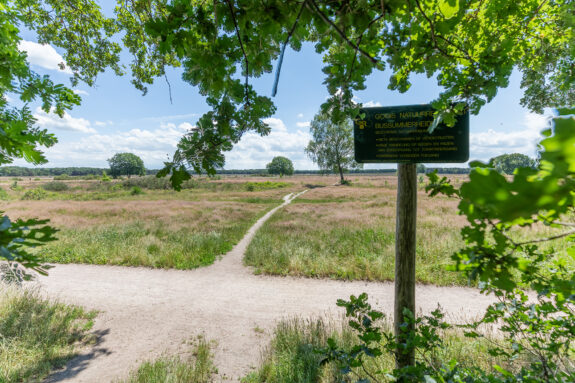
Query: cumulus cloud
point(43, 55)
point(255, 151)
point(486, 145)
point(153, 146)
point(69, 123)
point(300, 115)
point(371, 104)
point(304, 124)
point(81, 92)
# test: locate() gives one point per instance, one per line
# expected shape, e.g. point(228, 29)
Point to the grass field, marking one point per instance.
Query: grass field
point(195, 368)
point(348, 232)
point(291, 356)
point(37, 335)
point(342, 232)
point(109, 223)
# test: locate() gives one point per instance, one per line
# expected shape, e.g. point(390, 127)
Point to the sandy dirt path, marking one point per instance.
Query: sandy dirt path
point(146, 312)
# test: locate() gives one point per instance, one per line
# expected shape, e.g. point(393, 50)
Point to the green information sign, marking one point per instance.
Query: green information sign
point(399, 134)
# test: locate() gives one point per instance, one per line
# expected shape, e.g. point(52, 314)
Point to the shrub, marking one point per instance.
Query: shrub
point(147, 182)
point(3, 194)
point(136, 190)
point(255, 186)
point(62, 177)
point(55, 186)
point(35, 194)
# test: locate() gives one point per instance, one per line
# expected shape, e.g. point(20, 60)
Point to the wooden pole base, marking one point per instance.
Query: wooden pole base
point(405, 241)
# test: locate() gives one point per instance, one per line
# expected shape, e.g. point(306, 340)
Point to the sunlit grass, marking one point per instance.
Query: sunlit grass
point(183, 236)
point(37, 335)
point(292, 357)
point(349, 233)
point(196, 368)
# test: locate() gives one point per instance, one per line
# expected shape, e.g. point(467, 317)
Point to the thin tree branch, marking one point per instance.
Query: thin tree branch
point(242, 47)
point(169, 87)
point(281, 59)
point(558, 236)
point(314, 7)
point(434, 36)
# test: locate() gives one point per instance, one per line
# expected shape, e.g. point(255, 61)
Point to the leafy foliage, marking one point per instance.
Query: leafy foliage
point(16, 240)
point(498, 210)
point(280, 166)
point(331, 147)
point(471, 48)
point(507, 163)
point(126, 164)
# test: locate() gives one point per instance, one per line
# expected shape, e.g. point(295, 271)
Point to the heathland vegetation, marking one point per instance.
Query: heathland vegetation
point(139, 222)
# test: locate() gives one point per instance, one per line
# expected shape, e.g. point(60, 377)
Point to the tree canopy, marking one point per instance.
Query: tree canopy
point(281, 166)
point(470, 47)
point(126, 164)
point(507, 163)
point(331, 146)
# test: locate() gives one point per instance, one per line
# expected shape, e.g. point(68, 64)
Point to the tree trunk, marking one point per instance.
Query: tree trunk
point(340, 174)
point(405, 237)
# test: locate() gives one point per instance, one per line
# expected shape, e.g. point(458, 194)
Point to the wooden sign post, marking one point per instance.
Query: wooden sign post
point(400, 135)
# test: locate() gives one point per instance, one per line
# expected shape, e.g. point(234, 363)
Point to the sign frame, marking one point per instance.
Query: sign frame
point(399, 134)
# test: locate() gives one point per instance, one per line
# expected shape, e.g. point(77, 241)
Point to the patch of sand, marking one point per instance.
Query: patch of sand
point(146, 312)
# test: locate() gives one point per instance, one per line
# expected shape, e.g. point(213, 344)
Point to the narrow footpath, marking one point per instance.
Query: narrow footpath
point(145, 312)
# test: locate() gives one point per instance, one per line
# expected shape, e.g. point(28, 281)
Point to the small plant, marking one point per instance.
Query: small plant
point(55, 186)
point(105, 177)
point(35, 194)
point(15, 186)
point(136, 190)
point(198, 368)
point(3, 194)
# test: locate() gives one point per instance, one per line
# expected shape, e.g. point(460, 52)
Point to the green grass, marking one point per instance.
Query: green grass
point(290, 357)
point(300, 243)
point(37, 335)
point(198, 368)
point(146, 244)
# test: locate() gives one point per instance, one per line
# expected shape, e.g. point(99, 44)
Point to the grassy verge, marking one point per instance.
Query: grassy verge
point(184, 241)
point(37, 335)
point(349, 233)
point(198, 368)
point(290, 357)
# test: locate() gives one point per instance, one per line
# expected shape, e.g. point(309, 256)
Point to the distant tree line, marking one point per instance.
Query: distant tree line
point(20, 171)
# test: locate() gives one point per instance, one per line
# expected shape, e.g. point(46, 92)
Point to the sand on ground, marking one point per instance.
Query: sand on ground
point(144, 313)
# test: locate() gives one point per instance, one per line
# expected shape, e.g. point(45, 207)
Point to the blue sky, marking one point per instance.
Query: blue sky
point(115, 117)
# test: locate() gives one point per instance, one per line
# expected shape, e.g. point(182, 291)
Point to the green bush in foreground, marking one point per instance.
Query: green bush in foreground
point(198, 368)
point(37, 335)
point(297, 354)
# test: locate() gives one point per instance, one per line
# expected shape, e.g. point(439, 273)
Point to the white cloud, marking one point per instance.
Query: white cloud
point(304, 124)
point(81, 92)
point(69, 123)
point(255, 151)
point(492, 143)
point(153, 146)
point(44, 56)
point(300, 115)
point(371, 104)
